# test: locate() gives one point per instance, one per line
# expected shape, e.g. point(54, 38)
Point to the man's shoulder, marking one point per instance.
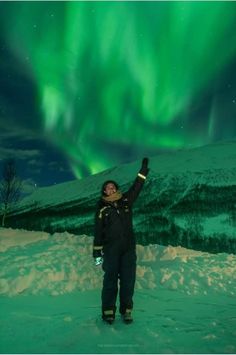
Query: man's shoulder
point(102, 206)
point(101, 203)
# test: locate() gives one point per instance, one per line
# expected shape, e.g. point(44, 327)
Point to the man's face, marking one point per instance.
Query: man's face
point(110, 189)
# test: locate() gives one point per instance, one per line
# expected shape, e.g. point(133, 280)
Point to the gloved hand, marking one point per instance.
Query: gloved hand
point(97, 255)
point(144, 169)
point(98, 260)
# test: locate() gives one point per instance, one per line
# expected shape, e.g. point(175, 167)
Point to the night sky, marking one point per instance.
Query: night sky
point(85, 86)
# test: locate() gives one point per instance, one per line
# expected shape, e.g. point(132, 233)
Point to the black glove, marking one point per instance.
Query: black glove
point(144, 169)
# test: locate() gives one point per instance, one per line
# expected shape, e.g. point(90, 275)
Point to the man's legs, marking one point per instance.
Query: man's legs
point(110, 280)
point(127, 273)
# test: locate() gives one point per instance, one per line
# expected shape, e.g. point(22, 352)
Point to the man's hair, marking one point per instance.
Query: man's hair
point(106, 183)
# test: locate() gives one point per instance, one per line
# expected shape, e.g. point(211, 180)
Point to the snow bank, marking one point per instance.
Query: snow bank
point(14, 237)
point(40, 263)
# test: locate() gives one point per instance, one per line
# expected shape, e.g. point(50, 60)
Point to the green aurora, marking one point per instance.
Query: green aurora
point(115, 80)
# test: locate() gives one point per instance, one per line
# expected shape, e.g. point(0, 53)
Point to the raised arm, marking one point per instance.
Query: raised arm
point(137, 185)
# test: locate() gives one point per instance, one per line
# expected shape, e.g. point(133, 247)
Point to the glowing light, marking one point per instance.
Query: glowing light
point(121, 74)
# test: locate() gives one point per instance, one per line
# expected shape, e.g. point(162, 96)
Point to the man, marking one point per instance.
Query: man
point(114, 244)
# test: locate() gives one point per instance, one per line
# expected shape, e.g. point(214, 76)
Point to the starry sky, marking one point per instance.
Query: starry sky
point(86, 86)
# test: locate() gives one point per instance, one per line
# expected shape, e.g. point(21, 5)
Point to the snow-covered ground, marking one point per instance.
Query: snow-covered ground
point(50, 299)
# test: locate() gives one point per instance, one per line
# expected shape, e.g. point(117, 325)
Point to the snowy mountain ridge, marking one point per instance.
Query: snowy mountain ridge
point(184, 191)
point(214, 165)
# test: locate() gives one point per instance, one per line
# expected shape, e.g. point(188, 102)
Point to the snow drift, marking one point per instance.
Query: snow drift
point(184, 300)
point(36, 263)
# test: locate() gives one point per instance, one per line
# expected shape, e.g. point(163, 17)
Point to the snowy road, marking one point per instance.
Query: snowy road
point(50, 299)
point(165, 321)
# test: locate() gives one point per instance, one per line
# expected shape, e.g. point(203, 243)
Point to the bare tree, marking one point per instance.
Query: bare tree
point(232, 215)
point(10, 187)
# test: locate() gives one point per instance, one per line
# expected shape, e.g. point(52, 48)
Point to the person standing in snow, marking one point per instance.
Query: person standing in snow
point(114, 245)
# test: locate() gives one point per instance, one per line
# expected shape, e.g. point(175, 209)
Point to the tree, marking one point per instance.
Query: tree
point(232, 215)
point(10, 187)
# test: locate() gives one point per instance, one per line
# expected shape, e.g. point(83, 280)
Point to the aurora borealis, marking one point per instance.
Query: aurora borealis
point(110, 82)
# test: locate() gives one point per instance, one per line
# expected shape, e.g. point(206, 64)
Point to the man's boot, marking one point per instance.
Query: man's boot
point(108, 316)
point(127, 317)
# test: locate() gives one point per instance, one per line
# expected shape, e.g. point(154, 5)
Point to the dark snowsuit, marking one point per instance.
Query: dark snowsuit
point(114, 234)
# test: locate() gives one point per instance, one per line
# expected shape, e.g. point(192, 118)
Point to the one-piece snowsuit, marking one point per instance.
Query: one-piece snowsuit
point(114, 235)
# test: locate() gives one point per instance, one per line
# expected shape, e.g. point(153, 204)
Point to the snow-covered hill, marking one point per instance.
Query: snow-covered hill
point(186, 192)
point(50, 299)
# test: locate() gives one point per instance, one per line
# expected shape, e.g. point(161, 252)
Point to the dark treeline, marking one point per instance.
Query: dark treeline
point(155, 216)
